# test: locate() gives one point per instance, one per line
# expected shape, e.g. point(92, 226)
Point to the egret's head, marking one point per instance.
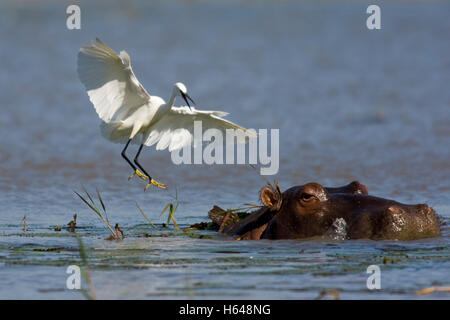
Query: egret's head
point(181, 88)
point(182, 91)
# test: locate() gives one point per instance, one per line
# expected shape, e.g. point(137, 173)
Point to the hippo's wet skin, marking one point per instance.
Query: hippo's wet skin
point(310, 210)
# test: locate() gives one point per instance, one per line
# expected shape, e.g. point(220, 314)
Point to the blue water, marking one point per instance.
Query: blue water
point(350, 104)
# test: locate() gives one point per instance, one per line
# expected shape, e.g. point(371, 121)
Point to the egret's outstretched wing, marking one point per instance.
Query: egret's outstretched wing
point(110, 82)
point(176, 128)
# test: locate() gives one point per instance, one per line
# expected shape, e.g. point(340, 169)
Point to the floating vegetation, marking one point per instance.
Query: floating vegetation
point(56, 249)
point(221, 218)
point(193, 235)
point(331, 294)
point(202, 226)
point(72, 224)
point(118, 235)
point(433, 289)
point(103, 216)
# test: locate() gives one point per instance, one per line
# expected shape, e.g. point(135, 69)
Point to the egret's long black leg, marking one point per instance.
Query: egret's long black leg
point(152, 181)
point(137, 162)
point(136, 171)
point(125, 156)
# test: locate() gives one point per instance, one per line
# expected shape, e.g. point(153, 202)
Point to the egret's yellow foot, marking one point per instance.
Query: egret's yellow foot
point(140, 175)
point(155, 183)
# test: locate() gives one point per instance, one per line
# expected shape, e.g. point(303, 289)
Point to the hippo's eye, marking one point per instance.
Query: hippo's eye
point(306, 197)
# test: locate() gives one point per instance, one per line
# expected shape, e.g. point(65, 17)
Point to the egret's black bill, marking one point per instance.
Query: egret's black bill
point(187, 99)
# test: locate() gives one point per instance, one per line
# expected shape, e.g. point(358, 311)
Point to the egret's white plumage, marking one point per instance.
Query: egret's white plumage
point(127, 109)
point(110, 82)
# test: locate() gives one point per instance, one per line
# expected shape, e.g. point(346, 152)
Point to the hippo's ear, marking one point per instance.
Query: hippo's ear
point(271, 198)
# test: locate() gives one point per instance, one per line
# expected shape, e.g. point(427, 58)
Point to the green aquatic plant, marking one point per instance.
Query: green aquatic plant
point(243, 211)
point(93, 206)
point(172, 209)
point(145, 216)
point(90, 295)
point(171, 206)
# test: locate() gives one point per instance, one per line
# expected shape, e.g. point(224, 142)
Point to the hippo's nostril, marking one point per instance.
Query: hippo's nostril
point(426, 209)
point(360, 188)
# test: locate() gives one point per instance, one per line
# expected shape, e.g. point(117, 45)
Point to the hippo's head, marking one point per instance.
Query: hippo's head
point(311, 210)
point(300, 200)
point(305, 210)
point(307, 198)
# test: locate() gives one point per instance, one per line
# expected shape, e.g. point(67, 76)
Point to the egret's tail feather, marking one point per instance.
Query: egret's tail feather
point(115, 131)
point(219, 113)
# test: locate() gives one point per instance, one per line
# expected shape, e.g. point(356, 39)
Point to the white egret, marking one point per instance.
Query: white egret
point(127, 110)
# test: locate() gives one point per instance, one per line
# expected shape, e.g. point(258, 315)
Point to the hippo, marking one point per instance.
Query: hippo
point(312, 210)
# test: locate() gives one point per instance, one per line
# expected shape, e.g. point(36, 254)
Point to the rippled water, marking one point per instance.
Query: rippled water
point(350, 104)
